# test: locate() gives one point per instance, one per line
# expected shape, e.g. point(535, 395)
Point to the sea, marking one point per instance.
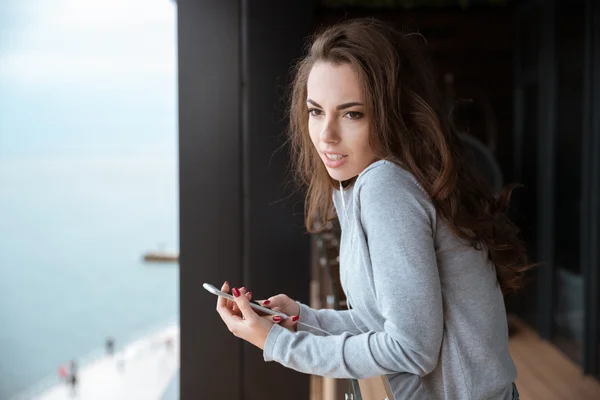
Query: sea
point(88, 179)
point(72, 235)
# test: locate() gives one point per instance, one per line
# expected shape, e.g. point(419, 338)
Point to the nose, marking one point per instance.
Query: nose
point(329, 133)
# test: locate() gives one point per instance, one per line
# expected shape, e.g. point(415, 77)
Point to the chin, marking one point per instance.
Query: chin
point(340, 174)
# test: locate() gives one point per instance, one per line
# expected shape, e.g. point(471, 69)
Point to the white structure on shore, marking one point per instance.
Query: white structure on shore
point(142, 370)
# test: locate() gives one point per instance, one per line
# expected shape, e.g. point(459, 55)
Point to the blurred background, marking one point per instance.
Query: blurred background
point(142, 153)
point(88, 178)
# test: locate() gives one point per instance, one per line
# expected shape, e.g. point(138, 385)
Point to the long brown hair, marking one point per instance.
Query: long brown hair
point(409, 128)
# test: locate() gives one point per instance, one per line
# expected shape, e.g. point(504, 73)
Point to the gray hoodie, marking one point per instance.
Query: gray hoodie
point(427, 310)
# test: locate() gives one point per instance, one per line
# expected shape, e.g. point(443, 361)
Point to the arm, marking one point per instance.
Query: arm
point(335, 322)
point(397, 219)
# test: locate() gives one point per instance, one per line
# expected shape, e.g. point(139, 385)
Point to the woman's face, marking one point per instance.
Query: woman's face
point(338, 123)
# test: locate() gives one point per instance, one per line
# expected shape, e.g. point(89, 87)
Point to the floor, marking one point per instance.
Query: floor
point(544, 373)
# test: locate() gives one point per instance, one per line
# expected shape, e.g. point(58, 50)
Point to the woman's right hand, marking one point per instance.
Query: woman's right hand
point(284, 304)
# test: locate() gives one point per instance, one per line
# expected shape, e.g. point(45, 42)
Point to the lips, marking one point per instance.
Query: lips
point(334, 160)
point(333, 156)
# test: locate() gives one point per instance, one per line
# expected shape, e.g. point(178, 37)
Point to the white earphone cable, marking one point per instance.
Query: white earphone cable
point(351, 228)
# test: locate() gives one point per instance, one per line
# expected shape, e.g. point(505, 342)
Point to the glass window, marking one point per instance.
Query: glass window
point(569, 297)
point(88, 171)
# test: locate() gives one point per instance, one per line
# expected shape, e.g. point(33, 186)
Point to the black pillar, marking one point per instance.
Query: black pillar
point(277, 250)
point(237, 220)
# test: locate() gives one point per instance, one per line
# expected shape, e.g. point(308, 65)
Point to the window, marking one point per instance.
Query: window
point(88, 171)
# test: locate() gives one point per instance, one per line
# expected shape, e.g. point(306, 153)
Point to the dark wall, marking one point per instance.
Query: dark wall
point(277, 252)
point(209, 192)
point(235, 221)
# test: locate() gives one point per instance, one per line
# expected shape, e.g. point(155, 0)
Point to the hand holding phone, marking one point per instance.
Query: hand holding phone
point(255, 306)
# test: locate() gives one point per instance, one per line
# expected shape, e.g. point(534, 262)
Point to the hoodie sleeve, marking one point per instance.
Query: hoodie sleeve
point(397, 219)
point(335, 322)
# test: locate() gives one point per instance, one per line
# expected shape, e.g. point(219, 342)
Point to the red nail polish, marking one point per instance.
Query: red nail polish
point(249, 293)
point(243, 288)
point(236, 293)
point(277, 318)
point(296, 318)
point(266, 302)
point(226, 283)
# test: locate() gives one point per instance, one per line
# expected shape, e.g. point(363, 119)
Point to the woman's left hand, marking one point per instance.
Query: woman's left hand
point(241, 319)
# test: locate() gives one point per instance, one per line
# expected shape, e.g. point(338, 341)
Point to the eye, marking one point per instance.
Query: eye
point(314, 112)
point(353, 115)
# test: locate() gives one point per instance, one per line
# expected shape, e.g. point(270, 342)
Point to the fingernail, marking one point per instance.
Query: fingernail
point(243, 288)
point(266, 302)
point(249, 293)
point(277, 318)
point(226, 283)
point(296, 318)
point(236, 292)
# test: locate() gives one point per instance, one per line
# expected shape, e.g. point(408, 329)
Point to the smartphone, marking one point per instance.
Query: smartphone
point(256, 306)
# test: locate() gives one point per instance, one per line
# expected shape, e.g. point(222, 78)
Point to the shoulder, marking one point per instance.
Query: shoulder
point(386, 192)
point(384, 179)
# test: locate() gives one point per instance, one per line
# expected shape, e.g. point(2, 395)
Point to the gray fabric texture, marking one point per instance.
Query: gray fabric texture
point(426, 310)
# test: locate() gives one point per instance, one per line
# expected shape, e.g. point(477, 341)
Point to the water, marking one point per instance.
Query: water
point(88, 178)
point(72, 233)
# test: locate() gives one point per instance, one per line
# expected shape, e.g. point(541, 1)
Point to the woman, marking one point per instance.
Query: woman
point(426, 249)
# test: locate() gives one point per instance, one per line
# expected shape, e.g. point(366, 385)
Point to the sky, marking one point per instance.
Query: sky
point(87, 78)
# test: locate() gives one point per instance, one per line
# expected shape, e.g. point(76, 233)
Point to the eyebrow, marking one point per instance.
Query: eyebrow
point(340, 107)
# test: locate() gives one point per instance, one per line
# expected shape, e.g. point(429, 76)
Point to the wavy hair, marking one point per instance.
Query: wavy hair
point(409, 128)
